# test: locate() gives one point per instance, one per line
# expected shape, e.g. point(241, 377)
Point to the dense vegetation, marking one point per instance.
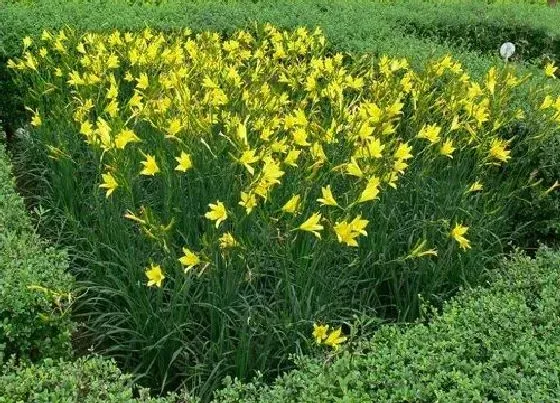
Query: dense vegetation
point(233, 190)
point(490, 344)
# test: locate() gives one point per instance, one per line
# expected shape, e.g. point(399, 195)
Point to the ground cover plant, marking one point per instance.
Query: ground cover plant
point(229, 192)
point(34, 287)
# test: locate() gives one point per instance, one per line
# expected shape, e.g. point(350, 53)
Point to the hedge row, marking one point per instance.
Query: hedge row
point(500, 343)
point(34, 287)
point(352, 26)
point(481, 27)
point(86, 380)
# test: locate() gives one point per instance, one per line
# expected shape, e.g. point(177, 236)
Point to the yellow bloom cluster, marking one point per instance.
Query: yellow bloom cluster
point(333, 339)
point(310, 138)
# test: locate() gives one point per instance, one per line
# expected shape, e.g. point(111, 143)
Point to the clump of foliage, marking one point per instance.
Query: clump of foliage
point(35, 289)
point(230, 192)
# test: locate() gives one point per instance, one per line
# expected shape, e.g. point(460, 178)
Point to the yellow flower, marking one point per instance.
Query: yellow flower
point(375, 148)
point(174, 127)
point(36, 120)
point(300, 137)
point(189, 259)
point(447, 148)
point(228, 241)
point(292, 157)
point(184, 162)
point(328, 198)
point(348, 232)
point(498, 150)
point(113, 91)
point(217, 213)
point(125, 137)
point(143, 82)
point(475, 187)
point(86, 128)
point(403, 152)
point(550, 69)
point(249, 201)
point(457, 233)
point(455, 124)
point(335, 338)
point(112, 108)
point(371, 191)
point(430, 133)
point(359, 225)
point(46, 36)
point(247, 158)
point(291, 205)
point(27, 42)
point(547, 102)
point(491, 80)
point(400, 166)
point(150, 166)
point(345, 234)
point(352, 168)
point(320, 332)
point(312, 225)
point(109, 183)
point(155, 276)
point(242, 133)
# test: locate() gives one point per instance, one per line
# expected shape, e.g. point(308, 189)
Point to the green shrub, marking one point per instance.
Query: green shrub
point(34, 288)
point(86, 380)
point(500, 343)
point(483, 28)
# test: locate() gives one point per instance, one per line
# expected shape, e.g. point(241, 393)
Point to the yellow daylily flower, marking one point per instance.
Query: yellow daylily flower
point(249, 201)
point(430, 133)
point(328, 198)
point(312, 224)
point(447, 148)
point(335, 338)
point(498, 150)
point(371, 191)
point(217, 213)
point(475, 187)
point(184, 162)
point(189, 259)
point(352, 168)
point(550, 69)
point(36, 120)
point(227, 241)
point(320, 332)
point(457, 233)
point(291, 205)
point(125, 137)
point(155, 276)
point(247, 158)
point(150, 166)
point(109, 183)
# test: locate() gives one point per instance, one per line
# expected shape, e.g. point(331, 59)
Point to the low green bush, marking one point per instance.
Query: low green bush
point(500, 343)
point(86, 380)
point(481, 27)
point(34, 286)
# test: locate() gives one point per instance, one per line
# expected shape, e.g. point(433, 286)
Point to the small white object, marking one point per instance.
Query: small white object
point(507, 50)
